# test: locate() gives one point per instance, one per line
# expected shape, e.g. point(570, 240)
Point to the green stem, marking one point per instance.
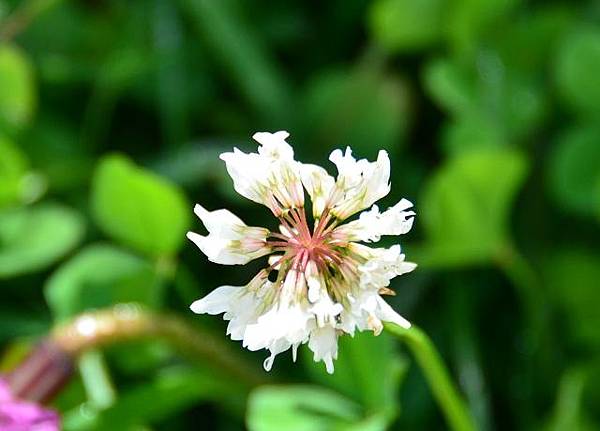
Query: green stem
point(444, 391)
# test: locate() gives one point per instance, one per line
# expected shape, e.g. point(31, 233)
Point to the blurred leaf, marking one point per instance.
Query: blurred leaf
point(364, 110)
point(176, 388)
point(171, 391)
point(17, 183)
point(404, 25)
point(17, 88)
point(32, 239)
point(369, 370)
point(572, 277)
point(299, 408)
point(568, 411)
point(450, 86)
point(574, 169)
point(244, 57)
point(138, 208)
point(100, 276)
point(466, 205)
point(468, 21)
point(471, 133)
point(577, 70)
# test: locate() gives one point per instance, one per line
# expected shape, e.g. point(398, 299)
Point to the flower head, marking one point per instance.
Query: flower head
point(320, 282)
point(19, 415)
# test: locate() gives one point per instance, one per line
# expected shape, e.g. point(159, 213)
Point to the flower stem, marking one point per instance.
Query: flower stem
point(125, 322)
point(445, 392)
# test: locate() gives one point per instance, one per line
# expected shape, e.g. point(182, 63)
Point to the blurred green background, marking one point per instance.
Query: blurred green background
point(112, 117)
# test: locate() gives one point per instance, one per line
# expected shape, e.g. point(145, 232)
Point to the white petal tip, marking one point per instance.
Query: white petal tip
point(198, 307)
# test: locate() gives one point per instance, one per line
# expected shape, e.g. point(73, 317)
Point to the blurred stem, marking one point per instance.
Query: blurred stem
point(96, 379)
point(440, 383)
point(125, 322)
point(525, 280)
point(533, 302)
point(18, 21)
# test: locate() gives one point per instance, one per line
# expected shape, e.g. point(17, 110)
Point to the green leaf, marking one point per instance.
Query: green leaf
point(577, 70)
point(17, 183)
point(368, 370)
point(32, 239)
point(471, 133)
point(364, 110)
point(466, 204)
point(170, 392)
point(17, 88)
point(468, 22)
point(450, 86)
point(100, 276)
point(138, 208)
point(299, 408)
point(569, 409)
point(405, 25)
point(572, 278)
point(573, 171)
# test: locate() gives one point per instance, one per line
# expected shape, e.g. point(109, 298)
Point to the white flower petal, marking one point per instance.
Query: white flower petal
point(387, 313)
point(216, 302)
point(372, 224)
point(319, 185)
point(323, 343)
point(360, 183)
point(273, 145)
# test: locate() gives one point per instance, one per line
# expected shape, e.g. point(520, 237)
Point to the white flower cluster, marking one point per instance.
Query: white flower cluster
point(325, 282)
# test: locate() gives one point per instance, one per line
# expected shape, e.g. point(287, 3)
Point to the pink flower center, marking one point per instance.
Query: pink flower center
point(300, 244)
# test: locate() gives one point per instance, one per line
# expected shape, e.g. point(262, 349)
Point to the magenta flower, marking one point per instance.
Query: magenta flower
point(19, 415)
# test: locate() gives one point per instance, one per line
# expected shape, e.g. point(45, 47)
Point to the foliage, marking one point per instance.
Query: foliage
point(112, 116)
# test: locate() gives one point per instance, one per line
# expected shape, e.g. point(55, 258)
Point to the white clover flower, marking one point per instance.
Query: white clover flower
point(325, 282)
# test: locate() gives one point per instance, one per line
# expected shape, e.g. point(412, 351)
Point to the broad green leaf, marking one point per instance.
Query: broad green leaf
point(364, 110)
point(17, 88)
point(138, 208)
point(368, 370)
point(405, 25)
point(299, 408)
point(466, 204)
point(100, 276)
point(574, 169)
point(572, 277)
point(17, 183)
point(34, 238)
point(578, 68)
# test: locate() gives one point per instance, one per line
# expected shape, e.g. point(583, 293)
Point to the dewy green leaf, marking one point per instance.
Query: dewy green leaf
point(299, 408)
point(578, 68)
point(465, 206)
point(369, 370)
point(32, 239)
point(100, 276)
point(138, 208)
point(17, 88)
point(404, 25)
point(574, 169)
